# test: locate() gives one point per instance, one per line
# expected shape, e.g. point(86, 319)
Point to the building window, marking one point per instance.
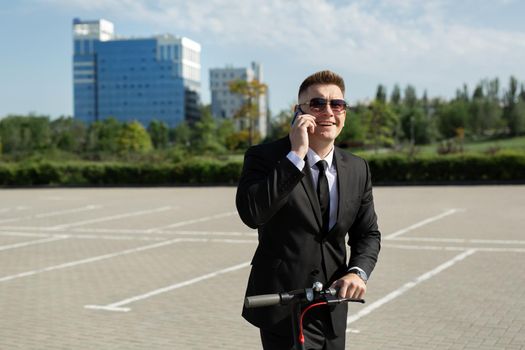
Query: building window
point(86, 47)
point(78, 46)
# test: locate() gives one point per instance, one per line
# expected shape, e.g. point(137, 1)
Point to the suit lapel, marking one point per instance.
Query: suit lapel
point(309, 188)
point(343, 173)
point(342, 185)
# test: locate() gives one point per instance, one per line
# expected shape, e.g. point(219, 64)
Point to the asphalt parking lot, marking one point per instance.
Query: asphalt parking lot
point(165, 268)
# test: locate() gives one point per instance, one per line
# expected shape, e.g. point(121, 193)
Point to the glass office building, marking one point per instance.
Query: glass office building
point(134, 78)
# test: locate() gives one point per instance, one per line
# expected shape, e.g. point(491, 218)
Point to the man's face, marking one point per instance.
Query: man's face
point(329, 122)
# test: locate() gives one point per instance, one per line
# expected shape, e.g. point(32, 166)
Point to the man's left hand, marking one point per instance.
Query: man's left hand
point(350, 286)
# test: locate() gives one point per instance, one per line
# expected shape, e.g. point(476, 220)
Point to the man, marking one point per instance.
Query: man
point(303, 209)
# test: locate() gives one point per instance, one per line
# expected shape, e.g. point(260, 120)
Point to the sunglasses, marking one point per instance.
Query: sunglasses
point(319, 104)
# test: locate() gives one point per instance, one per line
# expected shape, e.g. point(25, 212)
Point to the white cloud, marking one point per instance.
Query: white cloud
point(384, 39)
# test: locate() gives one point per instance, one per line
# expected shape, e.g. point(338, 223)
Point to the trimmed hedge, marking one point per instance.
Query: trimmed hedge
point(504, 167)
point(119, 174)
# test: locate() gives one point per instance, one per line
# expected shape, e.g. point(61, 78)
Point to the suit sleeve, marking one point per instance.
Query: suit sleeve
point(364, 236)
point(264, 185)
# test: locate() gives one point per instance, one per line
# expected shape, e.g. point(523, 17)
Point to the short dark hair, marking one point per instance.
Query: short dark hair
point(325, 77)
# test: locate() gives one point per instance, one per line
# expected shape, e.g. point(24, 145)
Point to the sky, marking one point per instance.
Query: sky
point(434, 45)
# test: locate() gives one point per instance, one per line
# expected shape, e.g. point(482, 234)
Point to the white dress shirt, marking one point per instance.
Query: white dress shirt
point(331, 176)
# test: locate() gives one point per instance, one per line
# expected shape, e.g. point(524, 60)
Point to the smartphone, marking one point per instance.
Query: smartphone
point(297, 113)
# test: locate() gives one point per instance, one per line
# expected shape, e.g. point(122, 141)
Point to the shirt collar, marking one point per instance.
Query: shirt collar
point(313, 157)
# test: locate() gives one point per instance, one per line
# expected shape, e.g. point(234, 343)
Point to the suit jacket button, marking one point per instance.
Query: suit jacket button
point(314, 272)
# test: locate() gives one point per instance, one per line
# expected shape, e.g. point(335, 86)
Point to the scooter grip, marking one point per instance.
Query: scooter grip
point(262, 300)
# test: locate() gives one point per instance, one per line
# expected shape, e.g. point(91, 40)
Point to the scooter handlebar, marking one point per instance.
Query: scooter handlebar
point(262, 300)
point(329, 294)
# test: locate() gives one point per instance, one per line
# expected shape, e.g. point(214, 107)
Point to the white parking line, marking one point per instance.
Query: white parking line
point(479, 249)
point(6, 210)
point(407, 286)
point(422, 223)
point(422, 247)
point(96, 258)
point(54, 213)
point(24, 234)
point(135, 231)
point(459, 240)
point(68, 211)
point(78, 229)
point(213, 233)
point(140, 238)
point(189, 222)
point(117, 306)
point(109, 218)
point(119, 237)
point(38, 241)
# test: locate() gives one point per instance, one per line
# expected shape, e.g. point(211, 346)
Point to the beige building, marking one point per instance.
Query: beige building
point(225, 104)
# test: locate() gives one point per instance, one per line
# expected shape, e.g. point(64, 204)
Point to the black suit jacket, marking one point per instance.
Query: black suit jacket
point(294, 252)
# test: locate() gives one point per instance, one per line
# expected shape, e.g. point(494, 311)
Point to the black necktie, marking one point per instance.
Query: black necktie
point(323, 193)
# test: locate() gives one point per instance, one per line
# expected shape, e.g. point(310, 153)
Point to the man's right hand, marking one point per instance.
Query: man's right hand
point(303, 124)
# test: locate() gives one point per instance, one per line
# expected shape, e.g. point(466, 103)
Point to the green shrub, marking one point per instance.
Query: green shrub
point(500, 167)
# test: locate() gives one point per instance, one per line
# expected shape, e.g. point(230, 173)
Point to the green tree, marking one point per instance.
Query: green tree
point(225, 129)
point(103, 136)
point(452, 117)
point(251, 91)
point(380, 123)
point(395, 98)
point(181, 135)
point(410, 99)
point(478, 92)
point(492, 88)
point(462, 94)
point(205, 135)
point(516, 119)
point(381, 94)
point(238, 140)
point(68, 134)
point(484, 111)
point(354, 132)
point(416, 126)
point(133, 138)
point(513, 112)
point(159, 134)
point(25, 133)
point(280, 124)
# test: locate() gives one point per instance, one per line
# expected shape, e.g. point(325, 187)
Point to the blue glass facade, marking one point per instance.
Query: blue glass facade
point(84, 81)
point(133, 79)
point(133, 84)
